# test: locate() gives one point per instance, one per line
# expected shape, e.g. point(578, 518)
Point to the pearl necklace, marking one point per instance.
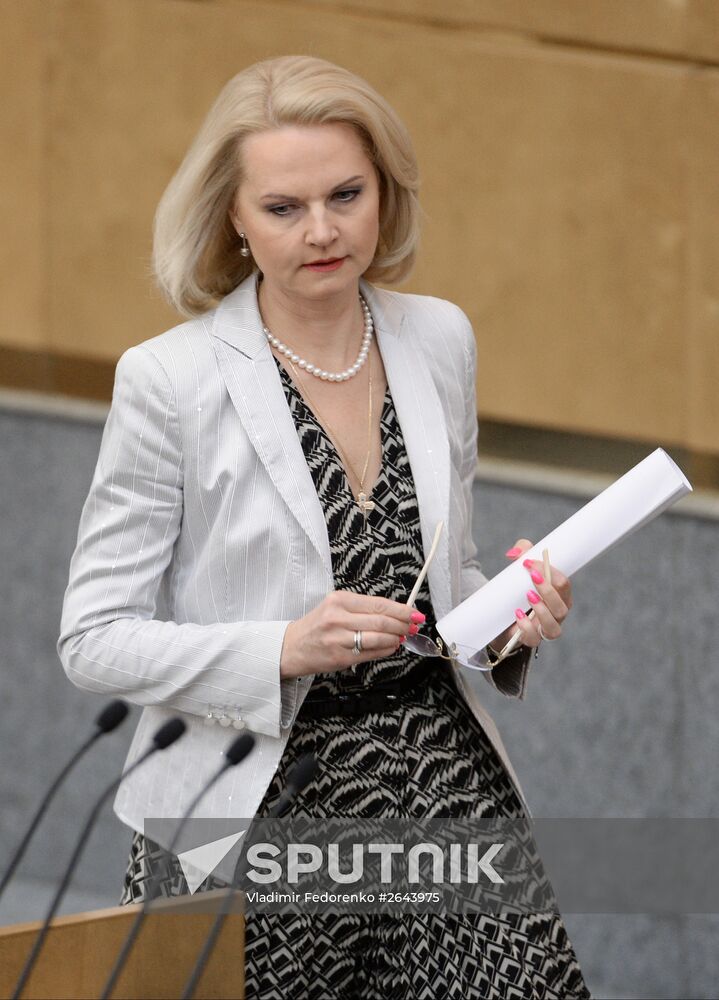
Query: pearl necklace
point(320, 372)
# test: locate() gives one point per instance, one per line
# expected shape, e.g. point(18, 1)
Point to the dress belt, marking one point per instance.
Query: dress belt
point(375, 698)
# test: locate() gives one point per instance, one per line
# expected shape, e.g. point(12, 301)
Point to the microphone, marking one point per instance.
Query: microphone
point(302, 773)
point(165, 736)
point(236, 752)
point(109, 718)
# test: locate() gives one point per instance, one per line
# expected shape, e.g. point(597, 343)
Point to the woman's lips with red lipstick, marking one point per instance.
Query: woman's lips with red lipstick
point(326, 265)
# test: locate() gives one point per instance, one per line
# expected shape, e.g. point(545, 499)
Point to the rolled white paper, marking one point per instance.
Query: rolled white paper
point(632, 501)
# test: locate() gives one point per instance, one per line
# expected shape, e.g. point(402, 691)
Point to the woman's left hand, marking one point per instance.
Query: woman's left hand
point(551, 602)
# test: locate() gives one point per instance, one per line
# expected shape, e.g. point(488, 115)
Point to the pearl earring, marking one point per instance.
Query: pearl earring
point(244, 249)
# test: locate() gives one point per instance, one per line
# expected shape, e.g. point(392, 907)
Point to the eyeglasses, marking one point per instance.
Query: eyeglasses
point(422, 645)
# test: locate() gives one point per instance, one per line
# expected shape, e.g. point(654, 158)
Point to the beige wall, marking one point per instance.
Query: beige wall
point(570, 164)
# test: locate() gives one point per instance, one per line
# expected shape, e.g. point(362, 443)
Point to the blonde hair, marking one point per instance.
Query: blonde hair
point(195, 258)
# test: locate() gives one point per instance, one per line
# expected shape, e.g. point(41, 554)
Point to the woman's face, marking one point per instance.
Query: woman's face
point(309, 193)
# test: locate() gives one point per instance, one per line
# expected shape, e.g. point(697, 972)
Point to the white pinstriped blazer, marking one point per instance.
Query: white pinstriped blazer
point(203, 536)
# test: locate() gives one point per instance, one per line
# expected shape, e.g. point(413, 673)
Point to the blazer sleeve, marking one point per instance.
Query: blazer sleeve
point(510, 676)
point(111, 641)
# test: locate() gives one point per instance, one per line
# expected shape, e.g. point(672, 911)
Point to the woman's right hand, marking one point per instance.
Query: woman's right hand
point(322, 641)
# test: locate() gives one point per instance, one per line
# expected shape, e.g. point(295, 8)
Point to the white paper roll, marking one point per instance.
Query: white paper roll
point(632, 501)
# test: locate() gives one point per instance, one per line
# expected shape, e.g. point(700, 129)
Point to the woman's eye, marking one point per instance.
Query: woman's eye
point(281, 209)
point(348, 195)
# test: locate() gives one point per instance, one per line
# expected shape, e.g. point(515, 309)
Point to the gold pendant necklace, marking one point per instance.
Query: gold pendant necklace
point(362, 499)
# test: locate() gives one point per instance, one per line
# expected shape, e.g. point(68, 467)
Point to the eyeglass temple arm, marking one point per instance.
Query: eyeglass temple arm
point(423, 574)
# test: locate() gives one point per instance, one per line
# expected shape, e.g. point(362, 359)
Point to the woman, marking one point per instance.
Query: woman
point(269, 481)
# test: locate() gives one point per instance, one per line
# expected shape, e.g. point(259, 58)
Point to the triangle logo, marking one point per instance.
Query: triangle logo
point(200, 862)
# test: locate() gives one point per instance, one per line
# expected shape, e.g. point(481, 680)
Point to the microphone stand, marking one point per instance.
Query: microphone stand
point(167, 734)
point(110, 718)
point(237, 752)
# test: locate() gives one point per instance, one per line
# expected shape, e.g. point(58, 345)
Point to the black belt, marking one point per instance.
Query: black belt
point(377, 697)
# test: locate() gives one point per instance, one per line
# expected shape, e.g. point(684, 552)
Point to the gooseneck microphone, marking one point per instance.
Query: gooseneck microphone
point(109, 718)
point(302, 773)
point(163, 738)
point(236, 752)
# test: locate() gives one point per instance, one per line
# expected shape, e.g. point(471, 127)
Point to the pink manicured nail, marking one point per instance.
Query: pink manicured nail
point(413, 629)
point(402, 638)
point(536, 577)
point(528, 563)
point(417, 617)
point(513, 552)
point(534, 597)
point(519, 614)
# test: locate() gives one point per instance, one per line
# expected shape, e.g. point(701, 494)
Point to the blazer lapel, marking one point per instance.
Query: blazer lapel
point(424, 430)
point(255, 388)
point(256, 391)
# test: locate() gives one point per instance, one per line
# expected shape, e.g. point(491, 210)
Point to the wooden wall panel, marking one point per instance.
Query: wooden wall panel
point(23, 172)
point(683, 28)
point(570, 194)
point(702, 328)
point(703, 30)
point(557, 204)
point(131, 88)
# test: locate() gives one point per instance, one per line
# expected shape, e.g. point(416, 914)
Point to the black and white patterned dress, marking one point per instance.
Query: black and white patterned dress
point(427, 756)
